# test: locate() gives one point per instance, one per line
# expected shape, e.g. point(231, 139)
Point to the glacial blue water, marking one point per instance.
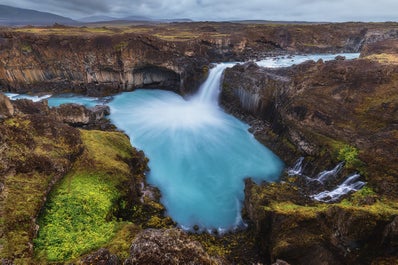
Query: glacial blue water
point(199, 155)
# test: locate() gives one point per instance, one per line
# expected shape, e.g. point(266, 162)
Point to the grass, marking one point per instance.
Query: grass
point(384, 58)
point(79, 215)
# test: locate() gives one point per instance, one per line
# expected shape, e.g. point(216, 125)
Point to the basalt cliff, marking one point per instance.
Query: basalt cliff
point(56, 161)
point(326, 113)
point(103, 61)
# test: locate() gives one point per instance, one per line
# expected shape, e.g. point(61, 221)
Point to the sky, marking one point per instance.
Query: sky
point(217, 10)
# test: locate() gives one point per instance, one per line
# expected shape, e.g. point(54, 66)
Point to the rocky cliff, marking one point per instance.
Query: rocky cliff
point(326, 112)
point(102, 61)
point(94, 65)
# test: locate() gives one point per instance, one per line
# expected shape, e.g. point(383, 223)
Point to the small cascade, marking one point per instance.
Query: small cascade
point(326, 175)
point(349, 185)
point(297, 169)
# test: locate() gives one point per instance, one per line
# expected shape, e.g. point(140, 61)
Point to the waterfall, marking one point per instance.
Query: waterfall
point(210, 89)
point(198, 155)
point(324, 176)
point(349, 185)
point(297, 169)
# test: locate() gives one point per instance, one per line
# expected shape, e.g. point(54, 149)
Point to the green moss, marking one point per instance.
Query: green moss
point(289, 208)
point(79, 214)
point(77, 217)
point(26, 48)
point(121, 46)
point(121, 242)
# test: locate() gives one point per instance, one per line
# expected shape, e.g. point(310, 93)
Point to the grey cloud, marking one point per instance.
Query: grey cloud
point(310, 10)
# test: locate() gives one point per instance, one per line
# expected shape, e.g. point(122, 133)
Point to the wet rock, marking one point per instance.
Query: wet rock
point(171, 246)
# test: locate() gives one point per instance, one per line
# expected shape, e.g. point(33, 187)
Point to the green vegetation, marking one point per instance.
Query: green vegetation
point(26, 184)
point(79, 215)
point(384, 58)
point(121, 46)
point(76, 217)
point(349, 155)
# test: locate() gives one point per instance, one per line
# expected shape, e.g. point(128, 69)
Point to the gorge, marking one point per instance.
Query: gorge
point(328, 112)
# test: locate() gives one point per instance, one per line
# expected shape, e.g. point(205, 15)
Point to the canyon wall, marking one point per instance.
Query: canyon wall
point(66, 59)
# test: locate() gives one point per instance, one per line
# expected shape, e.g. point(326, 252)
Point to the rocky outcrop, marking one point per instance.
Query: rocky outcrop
point(78, 115)
point(325, 112)
point(36, 151)
point(316, 108)
point(294, 229)
point(171, 246)
point(6, 108)
point(94, 65)
point(106, 63)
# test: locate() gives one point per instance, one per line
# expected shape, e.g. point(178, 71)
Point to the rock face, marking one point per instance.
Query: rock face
point(6, 108)
point(78, 115)
point(315, 108)
point(107, 63)
point(99, 65)
point(319, 111)
point(36, 151)
point(171, 246)
point(298, 231)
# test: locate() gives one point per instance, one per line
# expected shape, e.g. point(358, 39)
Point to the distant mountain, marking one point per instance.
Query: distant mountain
point(13, 16)
point(97, 19)
point(111, 20)
point(136, 18)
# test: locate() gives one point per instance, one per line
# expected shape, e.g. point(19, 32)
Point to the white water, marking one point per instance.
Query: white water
point(349, 185)
point(199, 155)
point(297, 169)
point(34, 98)
point(326, 175)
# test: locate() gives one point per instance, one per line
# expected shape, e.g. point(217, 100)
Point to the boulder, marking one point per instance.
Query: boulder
point(170, 246)
point(6, 108)
point(78, 115)
point(101, 257)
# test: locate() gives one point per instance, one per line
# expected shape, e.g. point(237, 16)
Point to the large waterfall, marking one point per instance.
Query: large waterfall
point(199, 155)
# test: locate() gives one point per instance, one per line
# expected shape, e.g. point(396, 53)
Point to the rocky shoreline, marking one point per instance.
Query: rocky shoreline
point(326, 112)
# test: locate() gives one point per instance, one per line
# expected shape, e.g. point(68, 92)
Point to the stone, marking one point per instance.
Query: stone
point(170, 246)
point(100, 257)
point(6, 108)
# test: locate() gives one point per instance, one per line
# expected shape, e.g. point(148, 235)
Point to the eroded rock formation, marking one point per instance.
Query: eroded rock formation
point(317, 110)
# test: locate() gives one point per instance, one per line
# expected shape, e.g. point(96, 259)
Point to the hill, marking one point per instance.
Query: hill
point(13, 16)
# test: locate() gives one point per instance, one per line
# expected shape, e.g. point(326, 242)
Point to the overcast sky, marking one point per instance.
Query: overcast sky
point(291, 10)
